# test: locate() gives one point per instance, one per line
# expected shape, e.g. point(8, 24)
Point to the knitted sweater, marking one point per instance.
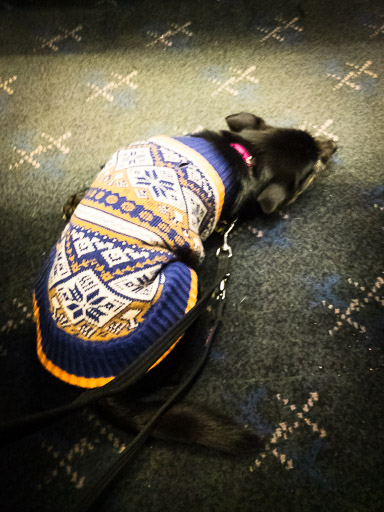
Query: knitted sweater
point(116, 281)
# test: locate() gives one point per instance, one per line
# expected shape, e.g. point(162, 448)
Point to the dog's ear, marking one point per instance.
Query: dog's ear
point(244, 121)
point(272, 197)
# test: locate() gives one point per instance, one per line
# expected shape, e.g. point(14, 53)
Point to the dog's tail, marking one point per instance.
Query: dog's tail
point(186, 423)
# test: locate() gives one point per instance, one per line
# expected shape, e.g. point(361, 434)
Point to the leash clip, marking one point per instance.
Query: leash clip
point(227, 249)
point(222, 291)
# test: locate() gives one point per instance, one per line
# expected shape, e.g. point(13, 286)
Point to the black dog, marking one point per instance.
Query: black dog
point(284, 162)
point(272, 167)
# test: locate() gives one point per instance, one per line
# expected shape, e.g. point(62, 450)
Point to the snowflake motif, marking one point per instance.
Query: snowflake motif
point(88, 306)
point(85, 299)
point(159, 186)
point(162, 183)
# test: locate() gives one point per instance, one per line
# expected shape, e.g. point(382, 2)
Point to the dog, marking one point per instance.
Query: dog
point(123, 271)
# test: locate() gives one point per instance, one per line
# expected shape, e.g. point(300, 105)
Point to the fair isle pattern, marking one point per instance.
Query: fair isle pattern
point(109, 272)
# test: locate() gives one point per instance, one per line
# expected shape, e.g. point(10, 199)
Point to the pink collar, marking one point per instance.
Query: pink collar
point(247, 157)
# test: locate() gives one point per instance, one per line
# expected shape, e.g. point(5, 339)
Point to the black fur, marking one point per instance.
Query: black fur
point(183, 422)
point(283, 158)
point(283, 162)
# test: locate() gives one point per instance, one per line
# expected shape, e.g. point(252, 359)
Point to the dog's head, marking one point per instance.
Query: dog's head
point(286, 161)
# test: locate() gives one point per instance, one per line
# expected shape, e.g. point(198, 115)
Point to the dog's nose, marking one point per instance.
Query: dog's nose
point(326, 148)
point(333, 146)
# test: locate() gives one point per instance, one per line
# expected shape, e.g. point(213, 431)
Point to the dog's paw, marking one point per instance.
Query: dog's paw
point(71, 204)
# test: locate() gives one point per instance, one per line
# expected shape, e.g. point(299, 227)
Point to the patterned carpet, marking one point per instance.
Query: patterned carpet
point(299, 357)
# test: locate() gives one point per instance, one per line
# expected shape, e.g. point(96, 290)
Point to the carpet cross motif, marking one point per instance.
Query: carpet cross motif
point(320, 130)
point(30, 157)
point(357, 71)
point(21, 314)
point(66, 462)
point(283, 25)
point(285, 429)
point(52, 43)
point(165, 38)
point(105, 91)
point(372, 294)
point(238, 77)
point(5, 85)
point(377, 29)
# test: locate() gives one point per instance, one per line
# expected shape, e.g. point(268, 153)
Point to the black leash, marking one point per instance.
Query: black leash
point(31, 423)
point(28, 424)
point(97, 489)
